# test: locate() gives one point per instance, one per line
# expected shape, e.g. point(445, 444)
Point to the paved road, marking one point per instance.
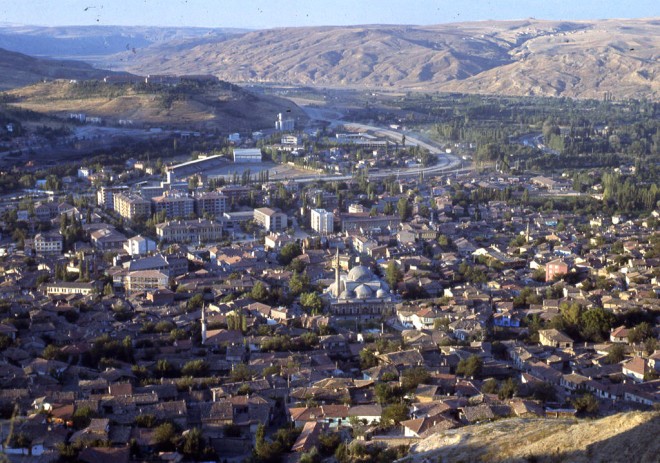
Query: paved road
point(445, 162)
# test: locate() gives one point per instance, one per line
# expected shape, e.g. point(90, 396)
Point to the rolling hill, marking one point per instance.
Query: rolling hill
point(583, 59)
point(212, 106)
point(17, 69)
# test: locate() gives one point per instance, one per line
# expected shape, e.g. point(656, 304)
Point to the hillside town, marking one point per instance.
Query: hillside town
point(233, 318)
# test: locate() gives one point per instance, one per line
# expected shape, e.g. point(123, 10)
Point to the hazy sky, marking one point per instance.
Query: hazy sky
point(259, 14)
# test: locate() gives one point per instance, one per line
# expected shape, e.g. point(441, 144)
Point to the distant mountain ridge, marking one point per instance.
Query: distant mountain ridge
point(17, 70)
point(90, 42)
point(585, 59)
point(579, 59)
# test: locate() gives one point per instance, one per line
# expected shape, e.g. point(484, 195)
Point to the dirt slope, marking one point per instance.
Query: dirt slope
point(627, 437)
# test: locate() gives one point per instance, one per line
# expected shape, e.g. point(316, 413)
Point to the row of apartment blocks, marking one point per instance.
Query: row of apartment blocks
point(204, 231)
point(132, 206)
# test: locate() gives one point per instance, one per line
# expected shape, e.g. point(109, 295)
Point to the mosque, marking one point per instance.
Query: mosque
point(359, 293)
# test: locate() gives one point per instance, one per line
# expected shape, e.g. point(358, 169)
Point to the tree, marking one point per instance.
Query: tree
point(469, 367)
point(165, 437)
point(288, 252)
point(108, 290)
point(544, 391)
point(394, 414)
point(51, 352)
point(586, 404)
point(298, 283)
point(413, 377)
point(312, 302)
point(392, 274)
point(193, 444)
point(195, 302)
point(616, 354)
point(195, 368)
point(508, 389)
point(403, 208)
point(259, 292)
point(241, 372)
point(490, 386)
point(595, 324)
point(640, 333)
point(367, 359)
point(82, 417)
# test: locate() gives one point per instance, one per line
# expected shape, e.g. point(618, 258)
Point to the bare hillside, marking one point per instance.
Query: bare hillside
point(17, 70)
point(575, 59)
point(219, 106)
point(626, 437)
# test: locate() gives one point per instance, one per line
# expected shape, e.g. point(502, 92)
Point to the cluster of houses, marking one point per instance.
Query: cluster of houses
point(175, 328)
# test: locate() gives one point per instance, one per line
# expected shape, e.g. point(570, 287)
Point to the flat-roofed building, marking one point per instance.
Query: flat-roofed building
point(73, 287)
point(247, 155)
point(367, 223)
point(235, 193)
point(104, 197)
point(210, 203)
point(139, 246)
point(270, 219)
point(48, 244)
point(322, 221)
point(131, 206)
point(146, 280)
point(174, 205)
point(189, 231)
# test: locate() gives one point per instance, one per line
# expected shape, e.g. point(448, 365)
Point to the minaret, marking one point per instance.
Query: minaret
point(527, 233)
point(337, 287)
point(203, 322)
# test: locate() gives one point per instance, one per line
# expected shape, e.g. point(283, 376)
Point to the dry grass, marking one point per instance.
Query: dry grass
point(213, 108)
point(624, 437)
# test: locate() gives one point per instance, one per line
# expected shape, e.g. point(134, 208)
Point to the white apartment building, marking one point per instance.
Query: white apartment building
point(270, 219)
point(322, 221)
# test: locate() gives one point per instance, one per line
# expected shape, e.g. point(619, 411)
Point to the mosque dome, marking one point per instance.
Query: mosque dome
point(360, 273)
point(381, 293)
point(363, 292)
point(347, 295)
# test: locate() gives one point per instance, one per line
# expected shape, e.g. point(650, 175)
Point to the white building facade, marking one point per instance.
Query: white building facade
point(322, 221)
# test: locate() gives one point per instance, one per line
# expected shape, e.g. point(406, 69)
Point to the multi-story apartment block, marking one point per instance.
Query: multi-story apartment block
point(131, 207)
point(322, 221)
point(174, 205)
point(189, 231)
point(104, 197)
point(211, 203)
point(48, 244)
point(146, 280)
point(270, 219)
point(234, 193)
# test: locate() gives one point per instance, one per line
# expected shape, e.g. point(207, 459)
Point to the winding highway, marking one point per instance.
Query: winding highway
point(446, 163)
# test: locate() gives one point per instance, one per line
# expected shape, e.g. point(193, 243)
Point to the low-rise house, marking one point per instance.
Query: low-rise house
point(555, 338)
point(73, 287)
point(107, 239)
point(619, 334)
point(635, 368)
